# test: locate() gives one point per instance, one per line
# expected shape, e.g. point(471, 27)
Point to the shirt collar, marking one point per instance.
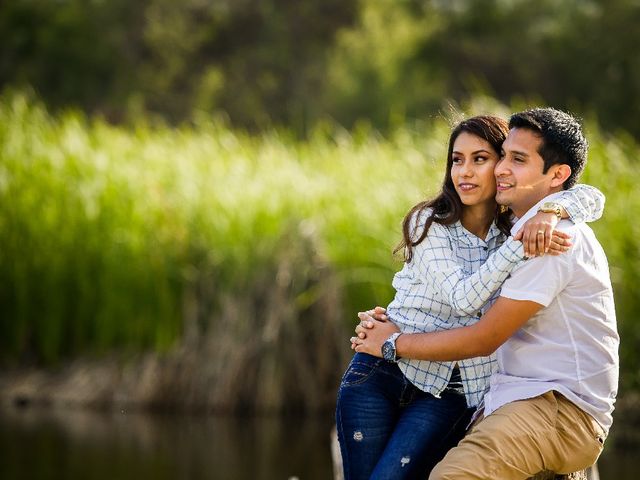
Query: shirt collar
point(470, 239)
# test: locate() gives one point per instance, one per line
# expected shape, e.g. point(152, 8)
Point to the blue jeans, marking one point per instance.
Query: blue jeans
point(390, 429)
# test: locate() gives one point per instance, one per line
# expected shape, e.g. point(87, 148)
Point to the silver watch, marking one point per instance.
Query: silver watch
point(389, 348)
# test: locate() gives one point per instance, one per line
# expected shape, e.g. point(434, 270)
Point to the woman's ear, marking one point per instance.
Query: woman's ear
point(560, 174)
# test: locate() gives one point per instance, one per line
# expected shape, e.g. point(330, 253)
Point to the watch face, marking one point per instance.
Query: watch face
point(388, 351)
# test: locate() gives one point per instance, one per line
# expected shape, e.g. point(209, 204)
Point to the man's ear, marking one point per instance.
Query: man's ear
point(560, 174)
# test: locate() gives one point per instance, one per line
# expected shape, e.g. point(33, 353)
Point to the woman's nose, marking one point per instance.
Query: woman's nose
point(466, 170)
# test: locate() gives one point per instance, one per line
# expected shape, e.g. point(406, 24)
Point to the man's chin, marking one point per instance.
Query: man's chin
point(503, 200)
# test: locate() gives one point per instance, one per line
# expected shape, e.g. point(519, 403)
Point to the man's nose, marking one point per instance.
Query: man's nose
point(501, 168)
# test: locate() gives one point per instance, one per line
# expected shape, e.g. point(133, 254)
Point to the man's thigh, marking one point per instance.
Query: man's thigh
point(516, 441)
point(581, 437)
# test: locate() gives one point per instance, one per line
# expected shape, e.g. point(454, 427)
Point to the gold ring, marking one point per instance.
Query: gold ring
point(540, 232)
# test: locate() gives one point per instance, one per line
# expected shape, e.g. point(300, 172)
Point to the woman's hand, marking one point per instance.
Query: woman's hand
point(378, 313)
point(372, 333)
point(539, 236)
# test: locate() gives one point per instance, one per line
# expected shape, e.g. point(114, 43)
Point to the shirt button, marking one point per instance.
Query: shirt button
point(485, 248)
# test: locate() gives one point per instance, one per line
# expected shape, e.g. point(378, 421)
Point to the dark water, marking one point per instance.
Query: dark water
point(62, 444)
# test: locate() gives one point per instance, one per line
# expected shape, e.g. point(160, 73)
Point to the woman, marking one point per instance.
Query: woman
point(397, 420)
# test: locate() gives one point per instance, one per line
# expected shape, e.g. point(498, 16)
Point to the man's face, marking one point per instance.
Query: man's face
point(520, 181)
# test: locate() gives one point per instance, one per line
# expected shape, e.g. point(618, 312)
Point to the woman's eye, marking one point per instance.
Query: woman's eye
point(481, 159)
point(457, 160)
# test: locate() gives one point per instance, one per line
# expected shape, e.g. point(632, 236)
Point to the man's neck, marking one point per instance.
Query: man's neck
point(520, 210)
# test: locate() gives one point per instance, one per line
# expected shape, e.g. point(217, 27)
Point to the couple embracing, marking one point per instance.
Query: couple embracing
point(498, 356)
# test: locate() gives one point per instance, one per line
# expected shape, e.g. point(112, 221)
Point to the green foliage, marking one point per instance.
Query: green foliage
point(110, 235)
point(294, 63)
point(255, 60)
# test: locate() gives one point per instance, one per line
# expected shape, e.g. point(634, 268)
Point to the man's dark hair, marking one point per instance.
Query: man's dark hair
point(562, 139)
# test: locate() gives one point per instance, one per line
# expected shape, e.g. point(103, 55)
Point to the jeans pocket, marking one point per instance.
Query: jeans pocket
point(360, 369)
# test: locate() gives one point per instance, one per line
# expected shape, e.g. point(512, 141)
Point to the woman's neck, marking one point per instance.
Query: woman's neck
point(477, 219)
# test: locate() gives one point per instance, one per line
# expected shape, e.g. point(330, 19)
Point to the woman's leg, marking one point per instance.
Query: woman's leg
point(366, 413)
point(426, 429)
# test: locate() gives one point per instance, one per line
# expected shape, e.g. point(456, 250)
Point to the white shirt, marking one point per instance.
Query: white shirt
point(570, 345)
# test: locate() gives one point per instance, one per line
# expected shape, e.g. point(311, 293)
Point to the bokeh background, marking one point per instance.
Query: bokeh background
point(197, 197)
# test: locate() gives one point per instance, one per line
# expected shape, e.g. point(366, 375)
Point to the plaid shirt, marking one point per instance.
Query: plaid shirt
point(453, 278)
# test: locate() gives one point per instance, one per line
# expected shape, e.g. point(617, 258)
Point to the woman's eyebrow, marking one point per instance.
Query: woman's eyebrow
point(473, 153)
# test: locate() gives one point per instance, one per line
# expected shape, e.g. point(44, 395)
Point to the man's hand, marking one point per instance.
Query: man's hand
point(539, 236)
point(372, 333)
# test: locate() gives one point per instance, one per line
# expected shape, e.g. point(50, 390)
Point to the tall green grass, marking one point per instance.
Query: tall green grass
point(109, 237)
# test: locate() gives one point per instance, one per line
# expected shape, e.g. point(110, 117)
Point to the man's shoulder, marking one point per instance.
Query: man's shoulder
point(582, 236)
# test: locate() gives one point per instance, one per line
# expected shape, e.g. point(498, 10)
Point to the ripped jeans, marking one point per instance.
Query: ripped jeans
point(388, 428)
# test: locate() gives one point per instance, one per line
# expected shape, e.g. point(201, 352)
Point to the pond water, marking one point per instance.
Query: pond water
point(67, 444)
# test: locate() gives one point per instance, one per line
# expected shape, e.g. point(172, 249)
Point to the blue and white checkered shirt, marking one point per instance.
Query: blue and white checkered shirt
point(453, 278)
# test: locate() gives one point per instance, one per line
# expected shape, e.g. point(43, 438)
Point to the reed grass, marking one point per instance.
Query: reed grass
point(149, 238)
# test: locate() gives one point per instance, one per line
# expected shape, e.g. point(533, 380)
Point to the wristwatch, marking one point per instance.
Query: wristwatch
point(389, 348)
point(551, 207)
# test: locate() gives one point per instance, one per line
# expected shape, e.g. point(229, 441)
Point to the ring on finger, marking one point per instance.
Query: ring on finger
point(540, 232)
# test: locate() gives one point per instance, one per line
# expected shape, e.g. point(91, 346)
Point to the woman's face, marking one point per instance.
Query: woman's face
point(474, 160)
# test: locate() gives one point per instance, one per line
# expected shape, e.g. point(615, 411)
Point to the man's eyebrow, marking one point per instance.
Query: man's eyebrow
point(517, 152)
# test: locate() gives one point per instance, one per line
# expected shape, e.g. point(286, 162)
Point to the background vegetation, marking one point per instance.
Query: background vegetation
point(254, 252)
point(290, 62)
point(222, 181)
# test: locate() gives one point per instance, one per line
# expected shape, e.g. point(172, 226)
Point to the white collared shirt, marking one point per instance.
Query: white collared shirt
point(570, 345)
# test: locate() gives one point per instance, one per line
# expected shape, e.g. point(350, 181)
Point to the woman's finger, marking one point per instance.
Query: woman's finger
point(547, 239)
point(533, 243)
point(560, 233)
point(527, 239)
point(541, 242)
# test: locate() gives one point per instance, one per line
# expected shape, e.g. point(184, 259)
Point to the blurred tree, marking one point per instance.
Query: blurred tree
point(293, 62)
point(375, 71)
point(576, 54)
point(258, 60)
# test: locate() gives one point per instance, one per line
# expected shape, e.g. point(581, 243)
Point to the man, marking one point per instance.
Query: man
point(553, 328)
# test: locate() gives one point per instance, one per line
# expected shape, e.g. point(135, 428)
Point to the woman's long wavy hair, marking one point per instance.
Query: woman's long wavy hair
point(447, 206)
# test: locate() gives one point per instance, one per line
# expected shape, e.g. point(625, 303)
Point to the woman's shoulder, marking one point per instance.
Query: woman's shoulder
point(423, 217)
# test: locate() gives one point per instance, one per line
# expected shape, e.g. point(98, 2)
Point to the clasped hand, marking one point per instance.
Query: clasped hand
point(372, 331)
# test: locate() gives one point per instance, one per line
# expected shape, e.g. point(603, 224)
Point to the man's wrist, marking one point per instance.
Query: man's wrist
point(552, 207)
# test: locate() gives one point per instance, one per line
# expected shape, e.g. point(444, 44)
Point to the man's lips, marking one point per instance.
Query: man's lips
point(502, 186)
